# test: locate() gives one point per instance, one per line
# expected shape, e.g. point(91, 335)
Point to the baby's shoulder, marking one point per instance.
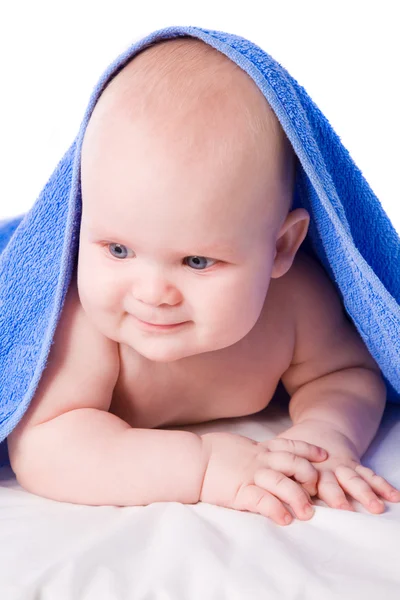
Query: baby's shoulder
point(82, 348)
point(307, 277)
point(313, 297)
point(79, 341)
point(81, 369)
point(304, 288)
point(326, 340)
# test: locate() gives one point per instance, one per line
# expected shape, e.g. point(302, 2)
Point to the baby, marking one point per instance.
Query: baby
point(191, 301)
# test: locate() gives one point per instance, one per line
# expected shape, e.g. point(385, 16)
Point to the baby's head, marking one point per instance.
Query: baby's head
point(187, 184)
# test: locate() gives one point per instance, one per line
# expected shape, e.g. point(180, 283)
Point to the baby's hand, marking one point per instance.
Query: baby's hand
point(339, 475)
point(255, 476)
point(343, 472)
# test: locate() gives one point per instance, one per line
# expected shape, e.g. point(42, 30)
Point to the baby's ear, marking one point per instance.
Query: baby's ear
point(290, 237)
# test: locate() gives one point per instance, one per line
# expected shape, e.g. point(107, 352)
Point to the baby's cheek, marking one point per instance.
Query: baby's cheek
point(92, 290)
point(110, 296)
point(232, 319)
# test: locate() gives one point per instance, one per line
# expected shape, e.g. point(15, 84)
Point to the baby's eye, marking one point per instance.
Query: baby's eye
point(198, 261)
point(120, 250)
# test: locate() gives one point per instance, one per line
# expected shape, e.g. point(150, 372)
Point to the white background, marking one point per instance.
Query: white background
point(344, 53)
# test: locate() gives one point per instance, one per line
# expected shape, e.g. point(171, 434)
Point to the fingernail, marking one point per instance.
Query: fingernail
point(287, 519)
point(394, 495)
point(308, 510)
point(376, 504)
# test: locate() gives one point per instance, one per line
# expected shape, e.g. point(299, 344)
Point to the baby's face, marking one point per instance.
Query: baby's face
point(178, 226)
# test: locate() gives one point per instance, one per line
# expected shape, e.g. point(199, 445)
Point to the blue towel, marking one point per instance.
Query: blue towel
point(349, 233)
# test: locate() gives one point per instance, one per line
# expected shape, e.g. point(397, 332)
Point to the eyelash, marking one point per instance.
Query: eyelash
point(107, 244)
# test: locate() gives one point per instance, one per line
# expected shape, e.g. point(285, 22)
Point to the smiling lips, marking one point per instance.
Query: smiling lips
point(152, 326)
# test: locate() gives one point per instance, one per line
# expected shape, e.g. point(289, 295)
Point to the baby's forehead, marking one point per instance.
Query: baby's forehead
point(188, 78)
point(188, 90)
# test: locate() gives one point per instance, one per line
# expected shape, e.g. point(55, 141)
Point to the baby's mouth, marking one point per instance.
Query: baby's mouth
point(159, 327)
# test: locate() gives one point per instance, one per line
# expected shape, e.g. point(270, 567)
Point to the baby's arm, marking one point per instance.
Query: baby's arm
point(90, 456)
point(69, 447)
point(332, 378)
point(337, 392)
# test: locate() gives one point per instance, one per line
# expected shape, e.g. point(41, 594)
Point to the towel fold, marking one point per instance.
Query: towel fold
point(349, 233)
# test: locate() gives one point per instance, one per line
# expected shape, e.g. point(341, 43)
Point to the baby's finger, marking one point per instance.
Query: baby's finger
point(330, 492)
point(358, 488)
point(379, 484)
point(294, 466)
point(257, 500)
point(286, 490)
point(298, 447)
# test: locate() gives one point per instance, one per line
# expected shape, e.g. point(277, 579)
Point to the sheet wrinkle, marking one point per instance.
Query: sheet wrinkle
point(52, 548)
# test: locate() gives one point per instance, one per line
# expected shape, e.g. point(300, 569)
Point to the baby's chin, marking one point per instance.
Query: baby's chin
point(169, 351)
point(159, 353)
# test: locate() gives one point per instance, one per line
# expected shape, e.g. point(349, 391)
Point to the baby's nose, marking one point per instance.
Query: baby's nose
point(154, 289)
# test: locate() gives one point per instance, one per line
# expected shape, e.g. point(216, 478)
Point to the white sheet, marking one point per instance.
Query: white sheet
point(60, 551)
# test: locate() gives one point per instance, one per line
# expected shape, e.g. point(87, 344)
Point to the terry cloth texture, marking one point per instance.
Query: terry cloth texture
point(349, 233)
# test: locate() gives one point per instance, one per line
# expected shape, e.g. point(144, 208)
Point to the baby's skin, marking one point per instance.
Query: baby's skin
point(182, 160)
